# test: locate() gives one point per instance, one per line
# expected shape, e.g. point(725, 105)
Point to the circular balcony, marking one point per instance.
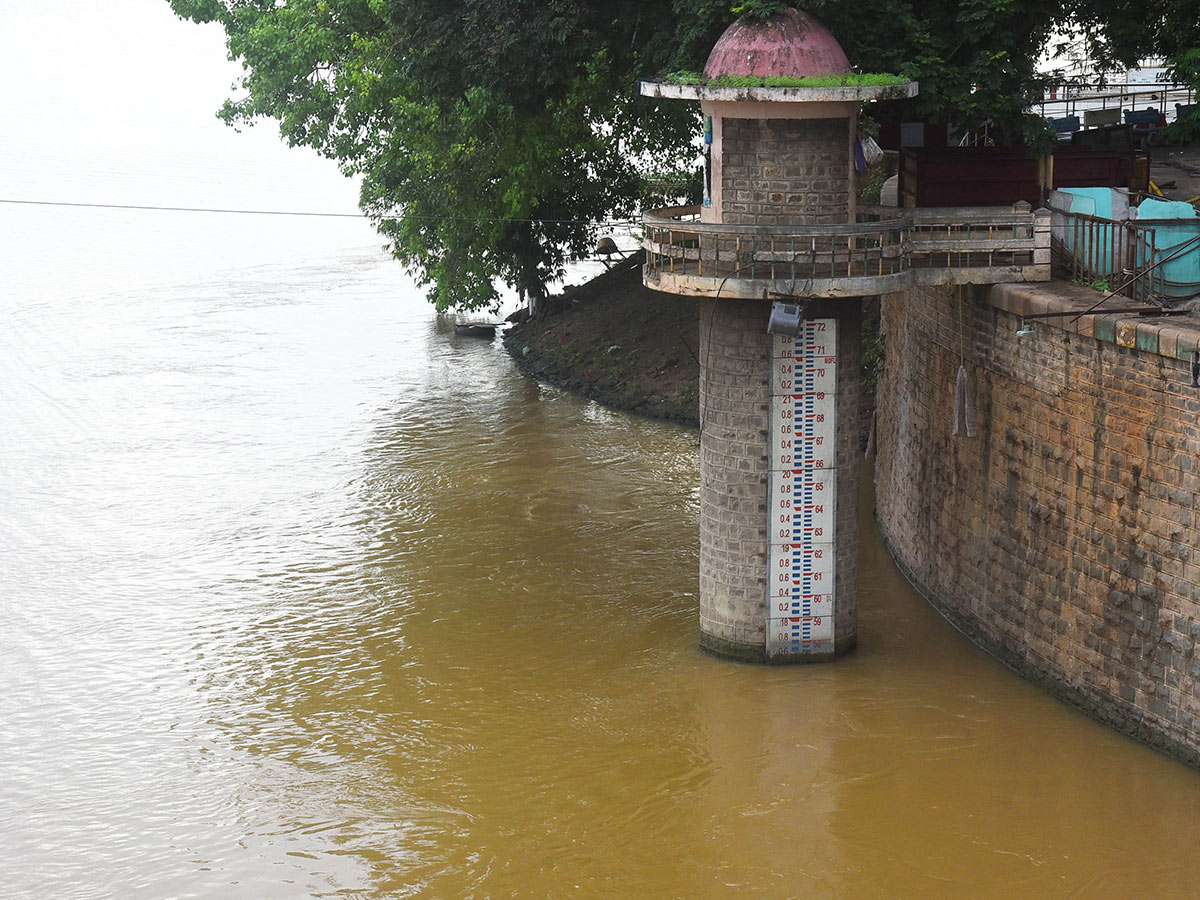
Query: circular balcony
point(886, 251)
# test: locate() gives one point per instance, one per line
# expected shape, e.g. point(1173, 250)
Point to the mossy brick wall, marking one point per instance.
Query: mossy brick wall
point(735, 360)
point(785, 171)
point(1062, 536)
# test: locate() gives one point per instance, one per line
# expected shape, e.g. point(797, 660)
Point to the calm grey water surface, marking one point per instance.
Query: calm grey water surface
point(302, 596)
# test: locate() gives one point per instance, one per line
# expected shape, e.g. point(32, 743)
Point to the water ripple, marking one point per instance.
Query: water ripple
point(304, 596)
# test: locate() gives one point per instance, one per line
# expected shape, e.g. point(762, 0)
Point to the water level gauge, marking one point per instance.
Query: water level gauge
point(802, 512)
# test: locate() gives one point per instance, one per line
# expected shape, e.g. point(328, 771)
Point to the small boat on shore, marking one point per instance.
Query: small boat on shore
point(479, 330)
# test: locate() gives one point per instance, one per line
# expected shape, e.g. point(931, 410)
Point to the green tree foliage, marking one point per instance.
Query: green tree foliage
point(489, 133)
point(1121, 33)
point(1185, 69)
point(759, 9)
point(976, 60)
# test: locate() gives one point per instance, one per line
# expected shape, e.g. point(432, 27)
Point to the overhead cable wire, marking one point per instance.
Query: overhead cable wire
point(285, 212)
point(255, 212)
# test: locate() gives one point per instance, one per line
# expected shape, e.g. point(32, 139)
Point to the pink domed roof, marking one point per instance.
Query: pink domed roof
point(790, 43)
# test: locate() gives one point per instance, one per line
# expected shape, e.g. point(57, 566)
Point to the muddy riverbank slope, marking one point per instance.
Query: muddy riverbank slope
point(617, 342)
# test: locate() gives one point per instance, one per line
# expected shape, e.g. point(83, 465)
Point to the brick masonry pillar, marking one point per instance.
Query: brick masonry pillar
point(785, 171)
point(735, 398)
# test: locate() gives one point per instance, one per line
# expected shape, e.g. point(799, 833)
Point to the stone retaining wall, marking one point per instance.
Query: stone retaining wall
point(1061, 536)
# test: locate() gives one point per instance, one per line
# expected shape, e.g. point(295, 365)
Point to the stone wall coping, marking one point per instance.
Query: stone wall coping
point(1175, 336)
point(667, 91)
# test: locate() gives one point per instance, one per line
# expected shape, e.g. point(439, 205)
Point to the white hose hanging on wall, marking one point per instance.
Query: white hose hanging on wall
point(964, 404)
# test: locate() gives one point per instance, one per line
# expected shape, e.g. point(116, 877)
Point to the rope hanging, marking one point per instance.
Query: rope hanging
point(964, 401)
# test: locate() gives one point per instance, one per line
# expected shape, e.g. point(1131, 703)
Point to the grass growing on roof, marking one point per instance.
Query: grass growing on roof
point(850, 79)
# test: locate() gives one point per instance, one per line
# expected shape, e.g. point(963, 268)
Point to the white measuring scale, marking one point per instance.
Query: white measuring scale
point(802, 512)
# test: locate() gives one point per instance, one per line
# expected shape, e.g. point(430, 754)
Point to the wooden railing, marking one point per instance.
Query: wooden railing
point(885, 251)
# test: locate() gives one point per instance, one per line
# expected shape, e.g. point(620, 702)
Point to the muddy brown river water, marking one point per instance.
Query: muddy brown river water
point(303, 596)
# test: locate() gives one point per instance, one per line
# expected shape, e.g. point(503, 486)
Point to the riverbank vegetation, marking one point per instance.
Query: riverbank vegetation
point(494, 138)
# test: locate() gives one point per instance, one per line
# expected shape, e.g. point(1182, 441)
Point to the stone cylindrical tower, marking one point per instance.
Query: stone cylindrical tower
point(778, 411)
point(778, 161)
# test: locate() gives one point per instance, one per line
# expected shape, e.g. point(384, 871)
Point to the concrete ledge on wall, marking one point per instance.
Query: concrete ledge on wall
point(1172, 336)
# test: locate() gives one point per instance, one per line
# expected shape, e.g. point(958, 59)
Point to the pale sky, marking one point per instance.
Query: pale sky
point(115, 102)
